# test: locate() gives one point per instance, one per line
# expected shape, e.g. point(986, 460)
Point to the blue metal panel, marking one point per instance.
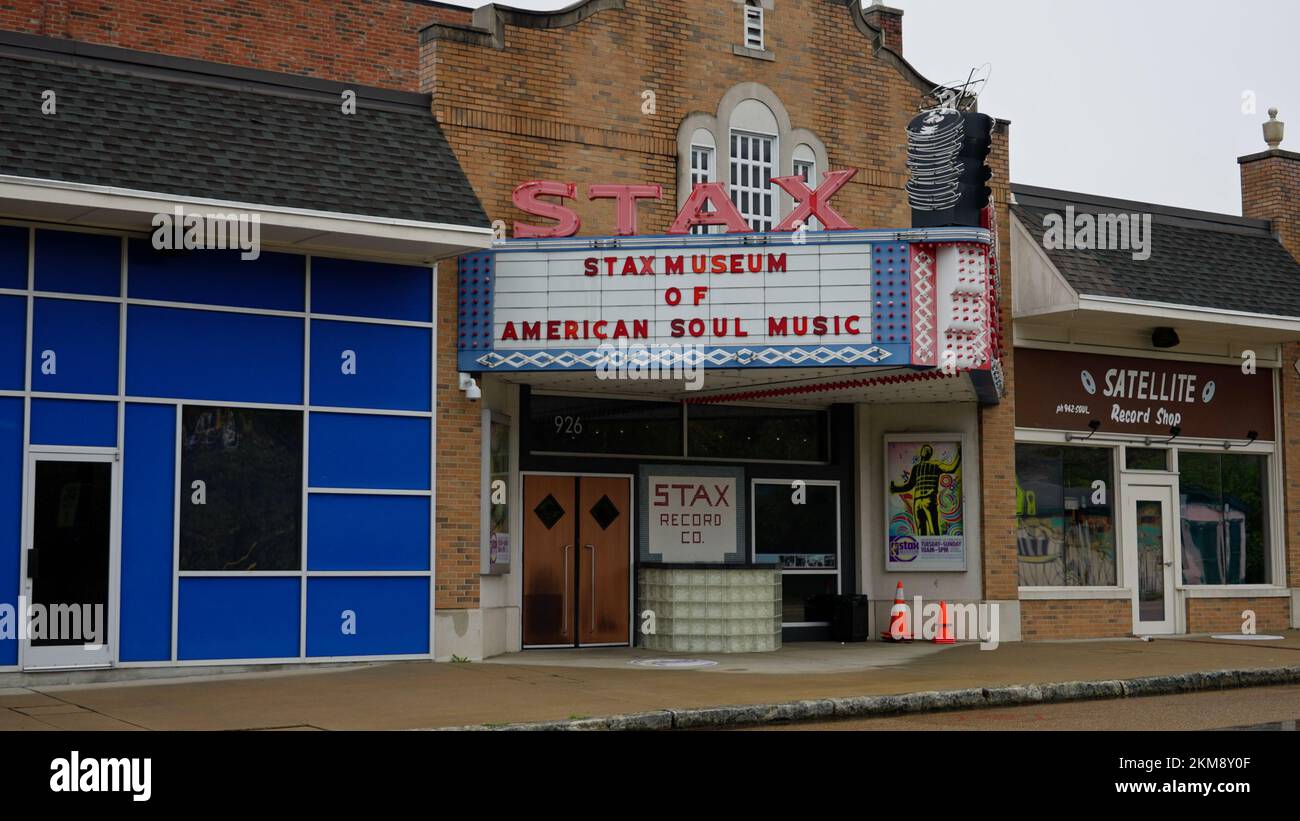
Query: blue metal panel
point(148, 495)
point(76, 340)
point(74, 422)
point(388, 616)
point(383, 290)
point(238, 618)
point(13, 257)
point(891, 287)
point(216, 277)
point(474, 290)
point(72, 263)
point(347, 532)
point(11, 495)
point(211, 355)
point(356, 451)
point(361, 365)
point(13, 341)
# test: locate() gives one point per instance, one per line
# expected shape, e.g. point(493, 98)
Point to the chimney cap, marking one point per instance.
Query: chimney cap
point(1274, 129)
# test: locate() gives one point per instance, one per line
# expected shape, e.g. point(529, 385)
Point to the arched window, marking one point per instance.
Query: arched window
point(744, 145)
point(755, 160)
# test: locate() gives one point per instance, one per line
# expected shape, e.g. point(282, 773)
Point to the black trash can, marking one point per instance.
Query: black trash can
point(849, 621)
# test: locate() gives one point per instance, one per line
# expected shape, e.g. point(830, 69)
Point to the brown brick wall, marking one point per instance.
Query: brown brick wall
point(998, 422)
point(1224, 615)
point(1076, 618)
point(1270, 189)
point(566, 104)
point(458, 470)
point(370, 42)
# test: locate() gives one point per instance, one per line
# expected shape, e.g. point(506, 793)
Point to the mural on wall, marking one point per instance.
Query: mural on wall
point(924, 504)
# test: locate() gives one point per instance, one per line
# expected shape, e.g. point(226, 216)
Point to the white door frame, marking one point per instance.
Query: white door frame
point(105, 655)
point(1164, 489)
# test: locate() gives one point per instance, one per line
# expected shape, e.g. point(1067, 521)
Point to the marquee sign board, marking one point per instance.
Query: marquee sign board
point(1066, 390)
point(849, 298)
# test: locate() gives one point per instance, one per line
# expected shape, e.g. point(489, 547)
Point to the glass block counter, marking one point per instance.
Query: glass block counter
point(710, 608)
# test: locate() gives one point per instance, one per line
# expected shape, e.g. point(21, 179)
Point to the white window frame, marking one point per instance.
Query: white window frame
point(747, 193)
point(699, 175)
point(809, 178)
point(753, 23)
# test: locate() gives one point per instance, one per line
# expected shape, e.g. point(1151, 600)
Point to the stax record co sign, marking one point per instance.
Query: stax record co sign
point(841, 297)
point(1060, 390)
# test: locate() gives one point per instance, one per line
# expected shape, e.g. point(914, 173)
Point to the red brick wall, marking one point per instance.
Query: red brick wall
point(1224, 615)
point(370, 42)
point(1076, 618)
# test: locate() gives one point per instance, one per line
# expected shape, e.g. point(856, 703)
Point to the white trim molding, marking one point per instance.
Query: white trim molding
point(74, 204)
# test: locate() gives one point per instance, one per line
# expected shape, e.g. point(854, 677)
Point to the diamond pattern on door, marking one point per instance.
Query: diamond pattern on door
point(604, 512)
point(549, 511)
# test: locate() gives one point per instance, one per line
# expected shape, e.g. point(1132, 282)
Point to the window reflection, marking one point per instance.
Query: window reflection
point(1064, 515)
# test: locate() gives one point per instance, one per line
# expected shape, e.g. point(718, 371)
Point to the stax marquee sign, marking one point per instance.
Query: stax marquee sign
point(549, 300)
point(708, 204)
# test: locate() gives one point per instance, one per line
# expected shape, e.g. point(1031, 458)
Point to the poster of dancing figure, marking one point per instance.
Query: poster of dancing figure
point(924, 503)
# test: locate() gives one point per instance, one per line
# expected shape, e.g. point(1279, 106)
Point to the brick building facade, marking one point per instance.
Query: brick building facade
point(619, 92)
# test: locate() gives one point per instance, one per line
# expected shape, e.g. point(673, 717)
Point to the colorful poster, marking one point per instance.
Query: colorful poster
point(924, 503)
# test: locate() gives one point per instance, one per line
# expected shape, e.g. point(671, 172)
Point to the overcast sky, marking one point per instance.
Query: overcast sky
point(1139, 99)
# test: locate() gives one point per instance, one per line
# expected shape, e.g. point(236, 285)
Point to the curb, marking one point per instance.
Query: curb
point(829, 709)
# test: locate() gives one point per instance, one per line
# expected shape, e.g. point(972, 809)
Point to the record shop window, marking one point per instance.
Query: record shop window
point(1065, 516)
point(240, 489)
point(1223, 502)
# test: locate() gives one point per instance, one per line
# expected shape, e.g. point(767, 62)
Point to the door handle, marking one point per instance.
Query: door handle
point(592, 548)
point(33, 563)
point(565, 629)
point(1169, 563)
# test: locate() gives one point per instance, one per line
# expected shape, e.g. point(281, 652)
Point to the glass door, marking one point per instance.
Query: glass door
point(1149, 535)
point(70, 526)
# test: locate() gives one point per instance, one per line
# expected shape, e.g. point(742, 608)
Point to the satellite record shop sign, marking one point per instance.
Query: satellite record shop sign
point(832, 298)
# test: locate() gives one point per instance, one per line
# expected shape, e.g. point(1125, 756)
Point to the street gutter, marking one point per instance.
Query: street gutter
point(859, 707)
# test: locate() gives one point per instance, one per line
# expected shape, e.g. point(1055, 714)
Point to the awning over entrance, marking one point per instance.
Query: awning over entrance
point(807, 318)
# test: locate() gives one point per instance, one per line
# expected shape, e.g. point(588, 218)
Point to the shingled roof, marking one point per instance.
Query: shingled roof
point(1197, 258)
point(190, 128)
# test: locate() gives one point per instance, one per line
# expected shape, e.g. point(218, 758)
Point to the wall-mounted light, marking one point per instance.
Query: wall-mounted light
point(1164, 338)
point(470, 386)
point(1251, 436)
point(1094, 425)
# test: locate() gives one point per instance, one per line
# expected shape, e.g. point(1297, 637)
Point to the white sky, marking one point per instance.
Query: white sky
point(1138, 99)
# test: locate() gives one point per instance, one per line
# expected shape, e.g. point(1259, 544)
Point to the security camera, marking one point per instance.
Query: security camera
point(470, 386)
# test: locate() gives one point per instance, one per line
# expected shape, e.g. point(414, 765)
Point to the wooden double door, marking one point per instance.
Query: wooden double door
point(577, 560)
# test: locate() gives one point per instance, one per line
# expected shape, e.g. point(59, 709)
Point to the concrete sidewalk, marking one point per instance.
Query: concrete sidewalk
point(555, 686)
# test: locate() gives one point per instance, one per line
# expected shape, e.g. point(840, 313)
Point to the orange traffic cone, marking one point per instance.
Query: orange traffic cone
point(945, 634)
point(897, 619)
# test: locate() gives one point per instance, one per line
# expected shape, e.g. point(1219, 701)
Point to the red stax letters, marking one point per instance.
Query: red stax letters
point(724, 213)
point(708, 204)
point(814, 203)
point(525, 199)
point(626, 195)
